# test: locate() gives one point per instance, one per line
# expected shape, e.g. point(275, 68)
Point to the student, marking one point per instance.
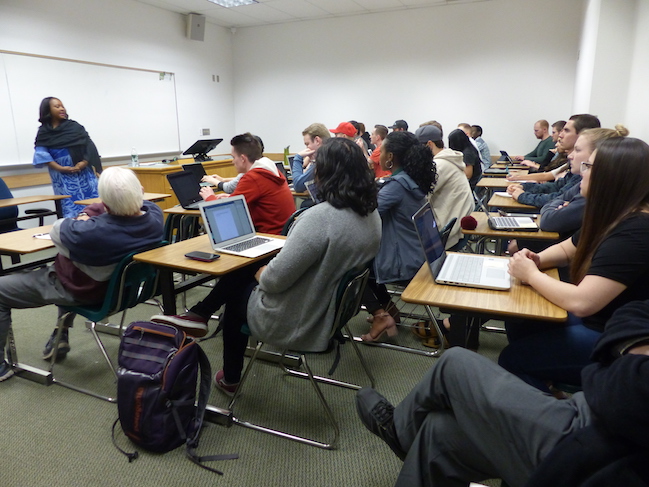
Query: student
point(303, 165)
point(400, 256)
point(469, 420)
point(567, 138)
point(265, 189)
point(483, 148)
point(535, 157)
point(288, 302)
point(459, 141)
point(609, 259)
point(379, 134)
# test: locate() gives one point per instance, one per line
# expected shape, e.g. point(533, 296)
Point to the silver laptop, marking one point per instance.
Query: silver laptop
point(510, 223)
point(230, 228)
point(470, 270)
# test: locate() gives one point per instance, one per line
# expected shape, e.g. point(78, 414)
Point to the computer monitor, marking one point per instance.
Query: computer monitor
point(200, 148)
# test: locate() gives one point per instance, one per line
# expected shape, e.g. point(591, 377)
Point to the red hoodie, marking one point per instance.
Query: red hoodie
point(268, 197)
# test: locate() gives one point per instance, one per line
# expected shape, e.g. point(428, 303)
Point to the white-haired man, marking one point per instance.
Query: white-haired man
point(90, 247)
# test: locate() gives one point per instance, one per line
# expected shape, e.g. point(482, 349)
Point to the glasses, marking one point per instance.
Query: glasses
point(585, 166)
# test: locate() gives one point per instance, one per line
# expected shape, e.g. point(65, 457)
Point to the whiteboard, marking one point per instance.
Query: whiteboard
point(121, 108)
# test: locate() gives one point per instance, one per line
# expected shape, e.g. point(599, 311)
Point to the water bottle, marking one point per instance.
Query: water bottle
point(135, 162)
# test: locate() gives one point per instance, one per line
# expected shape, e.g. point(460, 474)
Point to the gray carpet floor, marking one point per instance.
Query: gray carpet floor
point(53, 436)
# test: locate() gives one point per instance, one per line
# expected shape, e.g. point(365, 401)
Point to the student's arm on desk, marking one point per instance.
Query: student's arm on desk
point(584, 299)
point(301, 175)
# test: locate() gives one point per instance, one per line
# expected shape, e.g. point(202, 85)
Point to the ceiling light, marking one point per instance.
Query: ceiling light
point(233, 3)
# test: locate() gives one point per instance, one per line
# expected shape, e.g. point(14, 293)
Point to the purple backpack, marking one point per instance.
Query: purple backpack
point(159, 366)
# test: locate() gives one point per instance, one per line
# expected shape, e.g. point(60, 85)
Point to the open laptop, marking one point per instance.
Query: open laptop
point(184, 185)
point(510, 223)
point(198, 171)
point(230, 228)
point(469, 270)
point(312, 190)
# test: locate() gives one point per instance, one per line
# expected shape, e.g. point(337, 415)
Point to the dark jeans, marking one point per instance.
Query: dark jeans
point(232, 290)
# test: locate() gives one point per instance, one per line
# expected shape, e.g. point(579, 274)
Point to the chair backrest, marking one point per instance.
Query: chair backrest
point(9, 212)
point(446, 231)
point(291, 220)
point(349, 296)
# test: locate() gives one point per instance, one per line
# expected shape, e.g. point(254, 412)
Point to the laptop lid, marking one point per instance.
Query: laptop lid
point(430, 239)
point(281, 169)
point(184, 185)
point(313, 191)
point(196, 169)
point(227, 221)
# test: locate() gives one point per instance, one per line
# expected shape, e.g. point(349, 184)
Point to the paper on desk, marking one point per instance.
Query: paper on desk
point(504, 194)
point(43, 236)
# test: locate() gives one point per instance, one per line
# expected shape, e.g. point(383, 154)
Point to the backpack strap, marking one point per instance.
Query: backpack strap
point(203, 396)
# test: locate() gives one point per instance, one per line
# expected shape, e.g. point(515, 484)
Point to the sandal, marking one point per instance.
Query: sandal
point(428, 334)
point(388, 326)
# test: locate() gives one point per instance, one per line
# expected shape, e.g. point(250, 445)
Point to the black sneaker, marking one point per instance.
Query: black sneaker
point(377, 414)
point(64, 346)
point(6, 371)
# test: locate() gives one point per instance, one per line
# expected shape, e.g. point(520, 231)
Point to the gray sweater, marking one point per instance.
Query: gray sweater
point(294, 304)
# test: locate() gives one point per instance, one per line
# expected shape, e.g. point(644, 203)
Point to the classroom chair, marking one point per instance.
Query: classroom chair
point(348, 299)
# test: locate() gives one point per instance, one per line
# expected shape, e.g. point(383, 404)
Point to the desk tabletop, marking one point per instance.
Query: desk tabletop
point(23, 200)
point(483, 229)
point(174, 256)
point(493, 183)
point(179, 210)
point(521, 301)
point(146, 196)
point(24, 242)
point(504, 202)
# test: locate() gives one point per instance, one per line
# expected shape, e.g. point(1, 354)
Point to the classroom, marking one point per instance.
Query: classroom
point(502, 64)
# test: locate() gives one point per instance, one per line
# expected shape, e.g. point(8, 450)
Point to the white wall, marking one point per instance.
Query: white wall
point(502, 64)
point(128, 33)
point(638, 98)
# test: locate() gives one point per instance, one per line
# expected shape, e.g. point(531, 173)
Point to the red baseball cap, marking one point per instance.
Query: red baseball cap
point(344, 128)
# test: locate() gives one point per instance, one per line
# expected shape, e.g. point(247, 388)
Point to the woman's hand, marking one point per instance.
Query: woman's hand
point(206, 192)
point(524, 264)
point(513, 187)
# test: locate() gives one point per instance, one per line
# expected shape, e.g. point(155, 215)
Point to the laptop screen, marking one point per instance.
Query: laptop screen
point(196, 169)
point(227, 219)
point(430, 238)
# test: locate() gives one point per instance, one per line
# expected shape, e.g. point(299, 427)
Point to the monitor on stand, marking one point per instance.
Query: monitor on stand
point(200, 148)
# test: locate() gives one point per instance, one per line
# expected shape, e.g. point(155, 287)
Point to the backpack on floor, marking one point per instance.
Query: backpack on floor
point(159, 366)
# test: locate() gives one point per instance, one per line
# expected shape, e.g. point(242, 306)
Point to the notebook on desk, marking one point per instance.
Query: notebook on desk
point(184, 185)
point(230, 228)
point(510, 223)
point(469, 270)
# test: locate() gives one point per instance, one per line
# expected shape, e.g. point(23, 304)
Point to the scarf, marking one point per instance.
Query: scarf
point(72, 136)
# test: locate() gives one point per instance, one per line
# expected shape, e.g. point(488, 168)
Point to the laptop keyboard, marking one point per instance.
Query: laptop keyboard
point(507, 221)
point(248, 244)
point(467, 269)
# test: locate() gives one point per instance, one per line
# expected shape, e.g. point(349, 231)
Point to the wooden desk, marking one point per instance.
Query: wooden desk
point(511, 171)
point(521, 301)
point(154, 177)
point(154, 197)
point(503, 202)
point(24, 200)
point(23, 242)
point(172, 258)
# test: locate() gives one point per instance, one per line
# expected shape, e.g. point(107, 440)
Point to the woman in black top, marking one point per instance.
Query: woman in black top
point(459, 141)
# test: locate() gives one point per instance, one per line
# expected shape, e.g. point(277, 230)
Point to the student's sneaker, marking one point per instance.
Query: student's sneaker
point(64, 346)
point(6, 371)
point(190, 323)
point(223, 386)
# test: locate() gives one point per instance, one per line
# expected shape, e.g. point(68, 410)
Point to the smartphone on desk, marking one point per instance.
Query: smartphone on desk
point(202, 256)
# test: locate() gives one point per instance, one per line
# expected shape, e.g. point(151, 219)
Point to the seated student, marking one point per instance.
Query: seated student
point(459, 141)
point(483, 148)
point(609, 259)
point(469, 420)
point(266, 191)
point(534, 158)
point(400, 256)
point(566, 141)
point(379, 134)
point(227, 185)
point(288, 302)
point(452, 196)
point(535, 194)
point(303, 165)
point(89, 250)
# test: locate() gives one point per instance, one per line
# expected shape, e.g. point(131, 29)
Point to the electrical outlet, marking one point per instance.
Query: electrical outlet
point(205, 132)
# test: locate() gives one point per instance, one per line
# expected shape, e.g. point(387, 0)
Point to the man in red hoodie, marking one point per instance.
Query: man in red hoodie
point(266, 191)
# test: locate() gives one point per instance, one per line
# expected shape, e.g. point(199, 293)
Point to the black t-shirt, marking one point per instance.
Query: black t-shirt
point(623, 256)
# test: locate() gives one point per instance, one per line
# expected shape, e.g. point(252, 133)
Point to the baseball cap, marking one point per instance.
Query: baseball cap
point(428, 132)
point(344, 128)
point(399, 124)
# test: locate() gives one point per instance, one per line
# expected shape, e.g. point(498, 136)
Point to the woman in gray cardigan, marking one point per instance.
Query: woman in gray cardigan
point(290, 302)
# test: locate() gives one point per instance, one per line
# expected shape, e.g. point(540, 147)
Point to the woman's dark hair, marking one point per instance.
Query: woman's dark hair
point(618, 188)
point(414, 158)
point(44, 112)
point(458, 140)
point(343, 178)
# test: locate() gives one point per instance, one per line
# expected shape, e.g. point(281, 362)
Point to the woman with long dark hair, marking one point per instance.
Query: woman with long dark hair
point(69, 153)
point(609, 260)
point(400, 255)
point(290, 303)
point(458, 140)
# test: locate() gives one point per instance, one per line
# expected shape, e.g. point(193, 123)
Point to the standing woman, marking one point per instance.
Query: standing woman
point(71, 156)
point(609, 259)
point(400, 255)
point(459, 141)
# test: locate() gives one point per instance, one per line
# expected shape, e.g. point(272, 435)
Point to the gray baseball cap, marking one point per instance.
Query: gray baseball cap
point(428, 132)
